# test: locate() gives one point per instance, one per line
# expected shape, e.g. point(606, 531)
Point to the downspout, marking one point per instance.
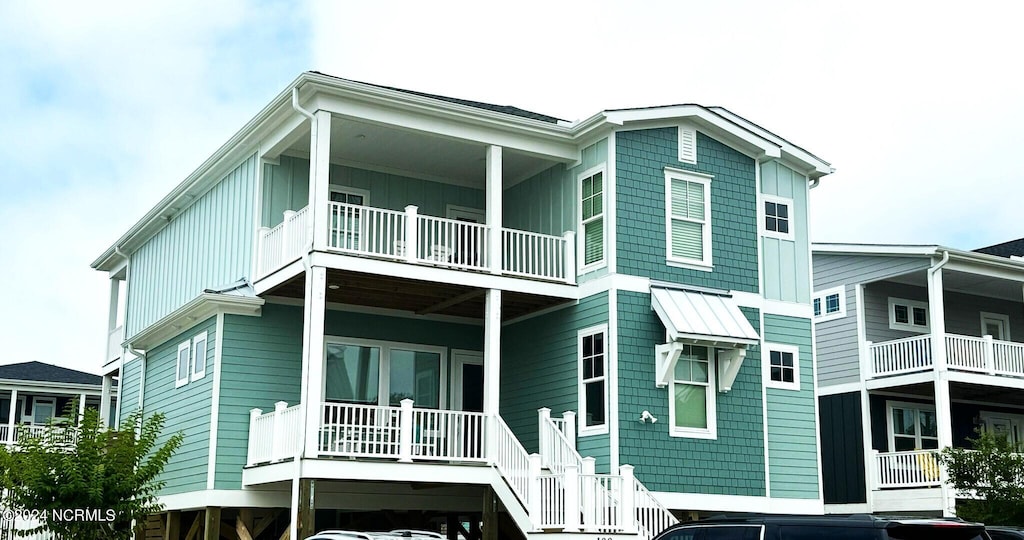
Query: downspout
point(298, 108)
point(936, 267)
point(815, 182)
point(940, 379)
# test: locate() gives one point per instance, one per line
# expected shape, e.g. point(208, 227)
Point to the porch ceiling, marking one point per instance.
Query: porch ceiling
point(967, 283)
point(1010, 397)
point(418, 154)
point(414, 296)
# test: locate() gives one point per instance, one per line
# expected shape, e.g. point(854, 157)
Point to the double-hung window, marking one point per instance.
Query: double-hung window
point(783, 364)
point(908, 315)
point(592, 217)
point(191, 360)
point(593, 387)
point(688, 218)
point(778, 218)
point(183, 364)
point(912, 426)
point(829, 304)
point(692, 394)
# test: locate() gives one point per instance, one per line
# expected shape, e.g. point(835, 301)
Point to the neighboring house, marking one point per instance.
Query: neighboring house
point(32, 394)
point(434, 289)
point(918, 348)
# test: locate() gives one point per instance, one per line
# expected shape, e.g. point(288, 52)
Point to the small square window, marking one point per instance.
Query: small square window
point(777, 221)
point(908, 315)
point(829, 304)
point(783, 366)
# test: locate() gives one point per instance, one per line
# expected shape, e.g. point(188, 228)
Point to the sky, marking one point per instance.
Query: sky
point(106, 106)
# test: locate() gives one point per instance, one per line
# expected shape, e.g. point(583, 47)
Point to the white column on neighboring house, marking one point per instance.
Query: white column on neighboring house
point(11, 416)
point(81, 406)
point(493, 189)
point(319, 177)
point(115, 291)
point(865, 404)
point(108, 381)
point(943, 417)
point(313, 356)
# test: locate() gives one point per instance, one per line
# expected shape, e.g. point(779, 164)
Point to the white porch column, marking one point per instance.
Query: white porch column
point(108, 381)
point(313, 356)
point(10, 417)
point(943, 416)
point(115, 291)
point(492, 350)
point(319, 177)
point(81, 406)
point(493, 188)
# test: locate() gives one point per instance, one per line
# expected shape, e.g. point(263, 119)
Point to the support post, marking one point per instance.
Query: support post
point(278, 442)
point(570, 257)
point(11, 437)
point(105, 400)
point(628, 498)
point(571, 483)
point(493, 193)
point(543, 437)
point(81, 406)
point(990, 354)
point(535, 509)
point(412, 226)
point(490, 515)
point(313, 357)
point(211, 525)
point(405, 432)
point(319, 178)
point(253, 415)
point(307, 508)
point(569, 417)
point(872, 469)
point(492, 360)
point(943, 416)
point(588, 494)
point(172, 530)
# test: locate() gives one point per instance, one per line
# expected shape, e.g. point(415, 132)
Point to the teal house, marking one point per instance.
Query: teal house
point(378, 309)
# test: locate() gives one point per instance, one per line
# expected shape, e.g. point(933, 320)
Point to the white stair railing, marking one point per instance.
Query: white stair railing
point(512, 461)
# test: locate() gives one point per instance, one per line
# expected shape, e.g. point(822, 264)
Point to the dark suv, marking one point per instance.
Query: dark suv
point(834, 527)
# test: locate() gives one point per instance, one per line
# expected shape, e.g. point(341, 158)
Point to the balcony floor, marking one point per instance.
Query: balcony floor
point(415, 296)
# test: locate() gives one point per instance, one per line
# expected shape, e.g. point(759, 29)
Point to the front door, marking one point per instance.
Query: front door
point(468, 381)
point(996, 326)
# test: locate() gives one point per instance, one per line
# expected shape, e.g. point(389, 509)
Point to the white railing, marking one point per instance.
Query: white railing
point(599, 501)
point(968, 353)
point(1008, 358)
point(450, 242)
point(9, 529)
point(556, 450)
point(917, 468)
point(448, 435)
point(275, 435)
point(552, 502)
point(512, 461)
point(283, 243)
point(361, 431)
point(114, 340)
point(537, 255)
point(366, 230)
point(652, 517)
point(901, 356)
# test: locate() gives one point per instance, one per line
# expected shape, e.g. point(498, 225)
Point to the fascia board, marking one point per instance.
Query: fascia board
point(198, 310)
point(875, 249)
point(49, 386)
point(818, 166)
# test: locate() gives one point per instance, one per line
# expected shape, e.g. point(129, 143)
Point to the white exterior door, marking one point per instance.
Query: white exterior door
point(997, 326)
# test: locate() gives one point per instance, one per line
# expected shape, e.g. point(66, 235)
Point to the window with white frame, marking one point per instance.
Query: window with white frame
point(909, 315)
point(384, 373)
point(912, 426)
point(777, 217)
point(593, 387)
point(592, 217)
point(184, 360)
point(829, 304)
point(688, 217)
point(692, 394)
point(783, 364)
point(346, 223)
point(199, 349)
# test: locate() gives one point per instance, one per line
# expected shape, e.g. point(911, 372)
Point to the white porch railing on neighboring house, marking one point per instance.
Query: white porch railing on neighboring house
point(916, 468)
point(963, 353)
point(284, 243)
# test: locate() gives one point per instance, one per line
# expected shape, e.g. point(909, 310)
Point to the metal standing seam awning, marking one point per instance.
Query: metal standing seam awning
point(705, 318)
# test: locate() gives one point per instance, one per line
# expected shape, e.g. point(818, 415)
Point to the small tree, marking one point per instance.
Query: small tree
point(109, 475)
point(993, 474)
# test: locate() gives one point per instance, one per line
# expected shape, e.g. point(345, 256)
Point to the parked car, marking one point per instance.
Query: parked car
point(1005, 533)
point(832, 527)
point(397, 534)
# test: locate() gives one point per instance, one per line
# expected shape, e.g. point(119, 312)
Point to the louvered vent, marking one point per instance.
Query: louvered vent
point(687, 145)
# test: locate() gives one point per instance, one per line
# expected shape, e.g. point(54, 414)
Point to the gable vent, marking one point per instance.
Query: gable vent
point(687, 145)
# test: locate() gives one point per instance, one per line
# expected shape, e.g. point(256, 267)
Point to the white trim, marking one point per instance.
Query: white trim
point(766, 365)
point(197, 311)
point(910, 305)
point(760, 243)
point(890, 433)
point(180, 381)
point(822, 297)
point(37, 400)
point(460, 359)
point(613, 378)
point(764, 413)
point(218, 346)
point(201, 337)
point(737, 503)
point(610, 210)
point(844, 388)
point(384, 373)
point(582, 429)
point(622, 282)
point(1003, 319)
point(710, 401)
point(581, 240)
point(762, 225)
point(371, 310)
point(349, 190)
point(706, 262)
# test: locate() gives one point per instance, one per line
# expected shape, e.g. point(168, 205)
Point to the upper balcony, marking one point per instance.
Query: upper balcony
point(984, 355)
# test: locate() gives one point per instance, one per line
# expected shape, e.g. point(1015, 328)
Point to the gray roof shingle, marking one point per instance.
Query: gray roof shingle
point(1006, 249)
point(40, 372)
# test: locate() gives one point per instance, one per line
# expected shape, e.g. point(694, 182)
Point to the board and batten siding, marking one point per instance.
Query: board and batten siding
point(838, 351)
point(208, 244)
point(792, 429)
point(285, 187)
point(787, 267)
point(842, 449)
point(544, 203)
point(261, 364)
point(539, 368)
point(186, 409)
point(641, 158)
point(733, 464)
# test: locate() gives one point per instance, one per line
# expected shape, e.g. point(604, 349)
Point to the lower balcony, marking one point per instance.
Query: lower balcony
point(905, 482)
point(413, 238)
point(963, 353)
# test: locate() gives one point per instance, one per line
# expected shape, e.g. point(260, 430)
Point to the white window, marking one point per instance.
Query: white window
point(199, 356)
point(184, 359)
point(384, 373)
point(346, 216)
point(692, 394)
point(912, 426)
point(778, 217)
point(688, 218)
point(592, 218)
point(829, 304)
point(593, 387)
point(908, 315)
point(996, 325)
point(783, 365)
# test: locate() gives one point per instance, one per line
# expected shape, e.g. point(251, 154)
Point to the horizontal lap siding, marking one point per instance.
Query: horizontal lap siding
point(792, 430)
point(207, 245)
point(128, 388)
point(261, 365)
point(539, 369)
point(186, 409)
point(731, 465)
